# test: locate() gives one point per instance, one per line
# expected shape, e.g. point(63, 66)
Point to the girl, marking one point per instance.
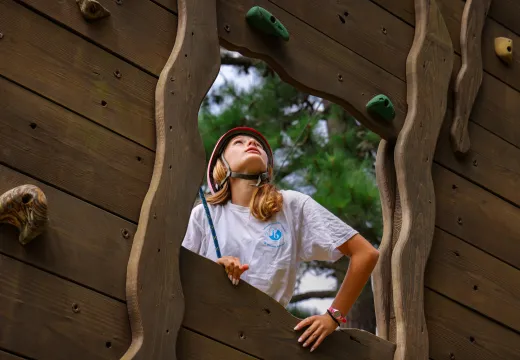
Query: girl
point(264, 233)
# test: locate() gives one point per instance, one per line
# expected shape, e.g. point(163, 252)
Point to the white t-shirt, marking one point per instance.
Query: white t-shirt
point(302, 231)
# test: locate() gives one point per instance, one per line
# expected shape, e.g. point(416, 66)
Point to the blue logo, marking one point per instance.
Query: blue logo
point(274, 235)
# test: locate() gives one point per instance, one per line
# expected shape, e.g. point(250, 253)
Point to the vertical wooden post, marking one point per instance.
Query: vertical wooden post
point(470, 75)
point(154, 290)
point(428, 71)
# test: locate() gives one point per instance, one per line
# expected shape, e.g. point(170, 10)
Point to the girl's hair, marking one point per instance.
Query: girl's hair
point(266, 200)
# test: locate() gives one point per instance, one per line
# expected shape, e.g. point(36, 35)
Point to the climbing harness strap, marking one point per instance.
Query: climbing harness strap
point(210, 222)
point(262, 177)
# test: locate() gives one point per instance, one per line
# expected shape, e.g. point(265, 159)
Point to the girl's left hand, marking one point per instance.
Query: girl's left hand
point(319, 327)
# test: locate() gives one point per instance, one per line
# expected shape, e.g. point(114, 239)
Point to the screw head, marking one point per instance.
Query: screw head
point(75, 308)
point(1, 35)
point(119, 2)
point(118, 74)
point(125, 233)
point(227, 28)
point(340, 77)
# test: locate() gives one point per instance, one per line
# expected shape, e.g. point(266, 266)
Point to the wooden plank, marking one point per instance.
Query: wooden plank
point(253, 322)
point(470, 75)
point(476, 216)
point(506, 12)
point(76, 74)
point(57, 146)
point(7, 356)
point(428, 67)
point(456, 332)
point(82, 243)
point(345, 78)
point(154, 289)
point(491, 162)
point(452, 13)
point(193, 346)
point(382, 274)
point(38, 319)
point(476, 279)
point(44, 317)
point(139, 31)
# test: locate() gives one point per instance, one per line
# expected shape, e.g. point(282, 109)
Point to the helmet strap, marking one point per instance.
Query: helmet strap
point(261, 177)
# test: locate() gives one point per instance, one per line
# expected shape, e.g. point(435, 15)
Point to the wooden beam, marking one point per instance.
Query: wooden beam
point(253, 322)
point(470, 75)
point(382, 274)
point(428, 67)
point(154, 289)
point(7, 356)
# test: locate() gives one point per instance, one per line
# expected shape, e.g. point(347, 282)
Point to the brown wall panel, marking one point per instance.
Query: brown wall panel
point(476, 216)
point(491, 162)
point(57, 146)
point(75, 73)
point(192, 346)
point(82, 243)
point(458, 333)
point(506, 13)
point(139, 31)
point(45, 317)
point(474, 278)
point(6, 356)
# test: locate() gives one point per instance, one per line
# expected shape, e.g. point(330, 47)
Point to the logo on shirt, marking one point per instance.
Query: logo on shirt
point(274, 235)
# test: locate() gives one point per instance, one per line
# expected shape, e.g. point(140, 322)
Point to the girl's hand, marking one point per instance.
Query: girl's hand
point(233, 268)
point(319, 327)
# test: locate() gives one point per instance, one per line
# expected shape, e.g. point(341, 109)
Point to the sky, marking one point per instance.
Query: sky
point(309, 282)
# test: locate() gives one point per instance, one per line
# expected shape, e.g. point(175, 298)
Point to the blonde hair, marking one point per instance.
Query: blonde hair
point(266, 200)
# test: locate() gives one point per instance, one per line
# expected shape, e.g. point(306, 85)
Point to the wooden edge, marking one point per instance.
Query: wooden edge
point(382, 276)
point(428, 69)
point(154, 289)
point(469, 78)
point(302, 81)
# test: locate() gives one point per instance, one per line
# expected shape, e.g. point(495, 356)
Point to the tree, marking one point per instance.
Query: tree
point(319, 149)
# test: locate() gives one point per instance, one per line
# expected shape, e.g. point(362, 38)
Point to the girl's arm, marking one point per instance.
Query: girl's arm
point(363, 259)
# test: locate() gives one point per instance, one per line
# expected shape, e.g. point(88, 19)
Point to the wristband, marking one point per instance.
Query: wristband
point(333, 318)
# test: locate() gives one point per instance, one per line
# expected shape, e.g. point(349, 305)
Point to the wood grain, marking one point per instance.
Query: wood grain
point(6, 356)
point(469, 77)
point(382, 274)
point(139, 31)
point(506, 13)
point(154, 290)
point(385, 40)
point(59, 147)
point(491, 162)
point(253, 322)
point(476, 279)
point(344, 77)
point(452, 13)
point(458, 333)
point(75, 73)
point(476, 216)
point(44, 317)
point(428, 67)
point(71, 247)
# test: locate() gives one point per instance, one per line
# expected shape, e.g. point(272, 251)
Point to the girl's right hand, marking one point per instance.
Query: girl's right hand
point(233, 268)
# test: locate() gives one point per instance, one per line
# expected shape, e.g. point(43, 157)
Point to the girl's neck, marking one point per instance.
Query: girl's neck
point(241, 191)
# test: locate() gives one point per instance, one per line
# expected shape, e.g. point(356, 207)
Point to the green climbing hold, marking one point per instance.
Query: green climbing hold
point(266, 22)
point(382, 106)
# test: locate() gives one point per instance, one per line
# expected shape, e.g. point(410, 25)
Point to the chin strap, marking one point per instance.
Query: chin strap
point(260, 177)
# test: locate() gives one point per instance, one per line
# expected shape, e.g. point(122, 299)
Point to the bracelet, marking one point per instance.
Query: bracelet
point(333, 318)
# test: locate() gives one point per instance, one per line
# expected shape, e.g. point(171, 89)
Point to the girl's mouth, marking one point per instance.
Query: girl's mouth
point(253, 150)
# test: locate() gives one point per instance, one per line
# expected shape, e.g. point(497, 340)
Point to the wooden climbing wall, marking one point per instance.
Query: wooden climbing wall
point(77, 118)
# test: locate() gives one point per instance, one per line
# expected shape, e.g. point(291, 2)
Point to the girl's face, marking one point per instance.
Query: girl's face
point(246, 155)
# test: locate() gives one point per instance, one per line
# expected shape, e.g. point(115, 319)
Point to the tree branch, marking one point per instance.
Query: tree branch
point(313, 294)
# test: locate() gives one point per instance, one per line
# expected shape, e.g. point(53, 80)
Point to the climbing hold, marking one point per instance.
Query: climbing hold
point(504, 49)
point(26, 208)
point(382, 106)
point(92, 10)
point(266, 22)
